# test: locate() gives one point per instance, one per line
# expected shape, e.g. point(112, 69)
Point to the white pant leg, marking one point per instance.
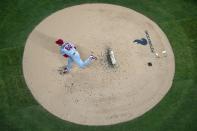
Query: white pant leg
point(69, 63)
point(80, 63)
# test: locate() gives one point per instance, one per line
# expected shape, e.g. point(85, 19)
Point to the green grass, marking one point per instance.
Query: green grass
point(176, 112)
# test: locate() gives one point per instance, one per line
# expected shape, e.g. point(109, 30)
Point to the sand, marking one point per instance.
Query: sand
point(100, 94)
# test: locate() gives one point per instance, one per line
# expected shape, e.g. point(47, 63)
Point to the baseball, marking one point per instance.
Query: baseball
point(164, 53)
point(157, 54)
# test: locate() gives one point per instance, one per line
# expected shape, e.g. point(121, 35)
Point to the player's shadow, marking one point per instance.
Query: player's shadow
point(45, 41)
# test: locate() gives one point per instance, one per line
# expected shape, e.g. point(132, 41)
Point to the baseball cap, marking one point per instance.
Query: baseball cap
point(59, 42)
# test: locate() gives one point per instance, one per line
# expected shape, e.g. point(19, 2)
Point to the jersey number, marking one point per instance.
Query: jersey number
point(68, 47)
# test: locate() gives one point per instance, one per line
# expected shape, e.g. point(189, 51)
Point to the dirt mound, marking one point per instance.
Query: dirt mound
point(99, 94)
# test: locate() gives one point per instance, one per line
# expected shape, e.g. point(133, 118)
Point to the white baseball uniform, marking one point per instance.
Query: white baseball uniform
point(69, 50)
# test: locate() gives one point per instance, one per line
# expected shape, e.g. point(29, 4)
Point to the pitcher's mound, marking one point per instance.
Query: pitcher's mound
point(101, 94)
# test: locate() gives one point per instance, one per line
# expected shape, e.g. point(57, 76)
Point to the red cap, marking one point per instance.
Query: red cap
point(59, 42)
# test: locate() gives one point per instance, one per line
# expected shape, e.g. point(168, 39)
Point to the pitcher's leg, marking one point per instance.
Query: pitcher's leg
point(89, 60)
point(69, 63)
point(79, 62)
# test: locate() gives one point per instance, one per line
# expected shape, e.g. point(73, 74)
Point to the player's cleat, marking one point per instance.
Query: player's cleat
point(93, 57)
point(65, 71)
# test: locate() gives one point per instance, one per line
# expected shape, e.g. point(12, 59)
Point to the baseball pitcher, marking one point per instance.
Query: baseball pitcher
point(68, 50)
